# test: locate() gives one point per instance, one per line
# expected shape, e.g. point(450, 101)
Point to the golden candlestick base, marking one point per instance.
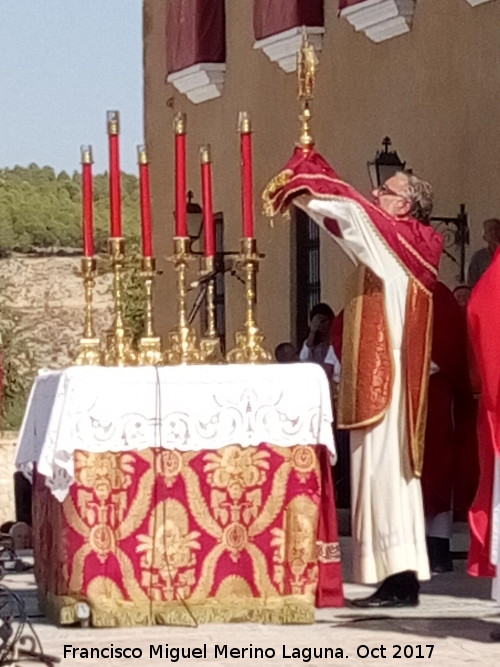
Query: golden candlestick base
point(119, 351)
point(210, 351)
point(89, 349)
point(249, 347)
point(149, 348)
point(183, 346)
point(210, 348)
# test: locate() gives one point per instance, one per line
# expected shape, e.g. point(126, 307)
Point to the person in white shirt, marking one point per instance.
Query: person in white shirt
point(318, 347)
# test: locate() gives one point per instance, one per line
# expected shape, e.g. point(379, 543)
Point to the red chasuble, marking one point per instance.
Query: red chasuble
point(483, 318)
point(366, 380)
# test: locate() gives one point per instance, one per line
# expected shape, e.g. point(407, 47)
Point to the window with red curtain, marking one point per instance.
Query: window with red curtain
point(274, 16)
point(196, 33)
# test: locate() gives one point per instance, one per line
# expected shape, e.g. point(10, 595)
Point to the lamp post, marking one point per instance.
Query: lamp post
point(385, 164)
point(194, 220)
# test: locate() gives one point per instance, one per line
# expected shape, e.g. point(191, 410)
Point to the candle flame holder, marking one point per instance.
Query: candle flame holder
point(249, 347)
point(183, 346)
point(119, 351)
point(149, 348)
point(89, 350)
point(210, 347)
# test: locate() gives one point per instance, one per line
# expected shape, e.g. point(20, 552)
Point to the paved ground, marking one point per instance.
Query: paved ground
point(455, 618)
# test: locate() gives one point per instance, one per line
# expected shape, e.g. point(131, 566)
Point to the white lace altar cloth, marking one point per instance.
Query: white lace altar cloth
point(99, 409)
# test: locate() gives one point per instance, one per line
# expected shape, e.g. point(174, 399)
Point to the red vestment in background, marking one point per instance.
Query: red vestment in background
point(466, 458)
point(483, 316)
point(448, 387)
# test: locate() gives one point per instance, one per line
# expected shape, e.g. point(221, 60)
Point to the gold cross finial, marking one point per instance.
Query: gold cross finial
point(306, 71)
point(306, 68)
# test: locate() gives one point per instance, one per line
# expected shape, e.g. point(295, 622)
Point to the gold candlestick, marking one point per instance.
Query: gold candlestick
point(210, 348)
point(150, 353)
point(183, 347)
point(249, 348)
point(89, 350)
point(119, 350)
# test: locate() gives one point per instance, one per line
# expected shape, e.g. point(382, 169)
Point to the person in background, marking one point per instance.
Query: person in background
point(449, 388)
point(462, 295)
point(286, 353)
point(317, 346)
point(481, 259)
point(466, 458)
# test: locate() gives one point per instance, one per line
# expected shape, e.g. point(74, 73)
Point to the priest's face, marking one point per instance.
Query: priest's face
point(392, 196)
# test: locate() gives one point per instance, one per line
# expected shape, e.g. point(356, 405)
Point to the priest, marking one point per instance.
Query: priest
point(385, 359)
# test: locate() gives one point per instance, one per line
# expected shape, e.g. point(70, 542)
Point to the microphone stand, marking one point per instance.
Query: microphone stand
point(204, 282)
point(198, 301)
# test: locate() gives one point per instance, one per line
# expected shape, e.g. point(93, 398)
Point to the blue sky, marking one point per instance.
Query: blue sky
point(63, 64)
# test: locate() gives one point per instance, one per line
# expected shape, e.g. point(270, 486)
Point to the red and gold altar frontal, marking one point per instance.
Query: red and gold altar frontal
point(180, 538)
point(183, 344)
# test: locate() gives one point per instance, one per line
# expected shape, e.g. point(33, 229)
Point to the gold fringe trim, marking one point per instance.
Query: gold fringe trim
point(272, 188)
point(416, 428)
point(371, 421)
point(287, 610)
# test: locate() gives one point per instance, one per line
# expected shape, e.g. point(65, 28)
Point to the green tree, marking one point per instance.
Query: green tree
point(133, 289)
point(40, 209)
point(18, 364)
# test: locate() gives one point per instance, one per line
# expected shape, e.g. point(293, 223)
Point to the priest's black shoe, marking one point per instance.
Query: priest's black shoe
point(398, 590)
point(381, 600)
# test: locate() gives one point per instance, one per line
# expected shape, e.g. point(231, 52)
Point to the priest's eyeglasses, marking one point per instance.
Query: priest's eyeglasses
point(384, 190)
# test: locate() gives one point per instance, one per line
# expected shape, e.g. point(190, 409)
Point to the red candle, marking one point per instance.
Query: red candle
point(114, 174)
point(208, 209)
point(147, 244)
point(181, 229)
point(246, 174)
point(87, 202)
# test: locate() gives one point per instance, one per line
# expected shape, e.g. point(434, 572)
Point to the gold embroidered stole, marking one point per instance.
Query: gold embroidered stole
point(417, 342)
point(367, 369)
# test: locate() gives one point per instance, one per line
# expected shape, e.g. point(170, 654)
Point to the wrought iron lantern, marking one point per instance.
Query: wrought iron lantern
point(385, 164)
point(457, 236)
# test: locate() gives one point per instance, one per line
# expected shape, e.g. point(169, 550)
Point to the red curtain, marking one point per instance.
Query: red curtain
point(348, 3)
point(196, 33)
point(273, 16)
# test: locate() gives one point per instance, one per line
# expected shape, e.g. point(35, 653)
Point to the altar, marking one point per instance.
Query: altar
point(182, 494)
